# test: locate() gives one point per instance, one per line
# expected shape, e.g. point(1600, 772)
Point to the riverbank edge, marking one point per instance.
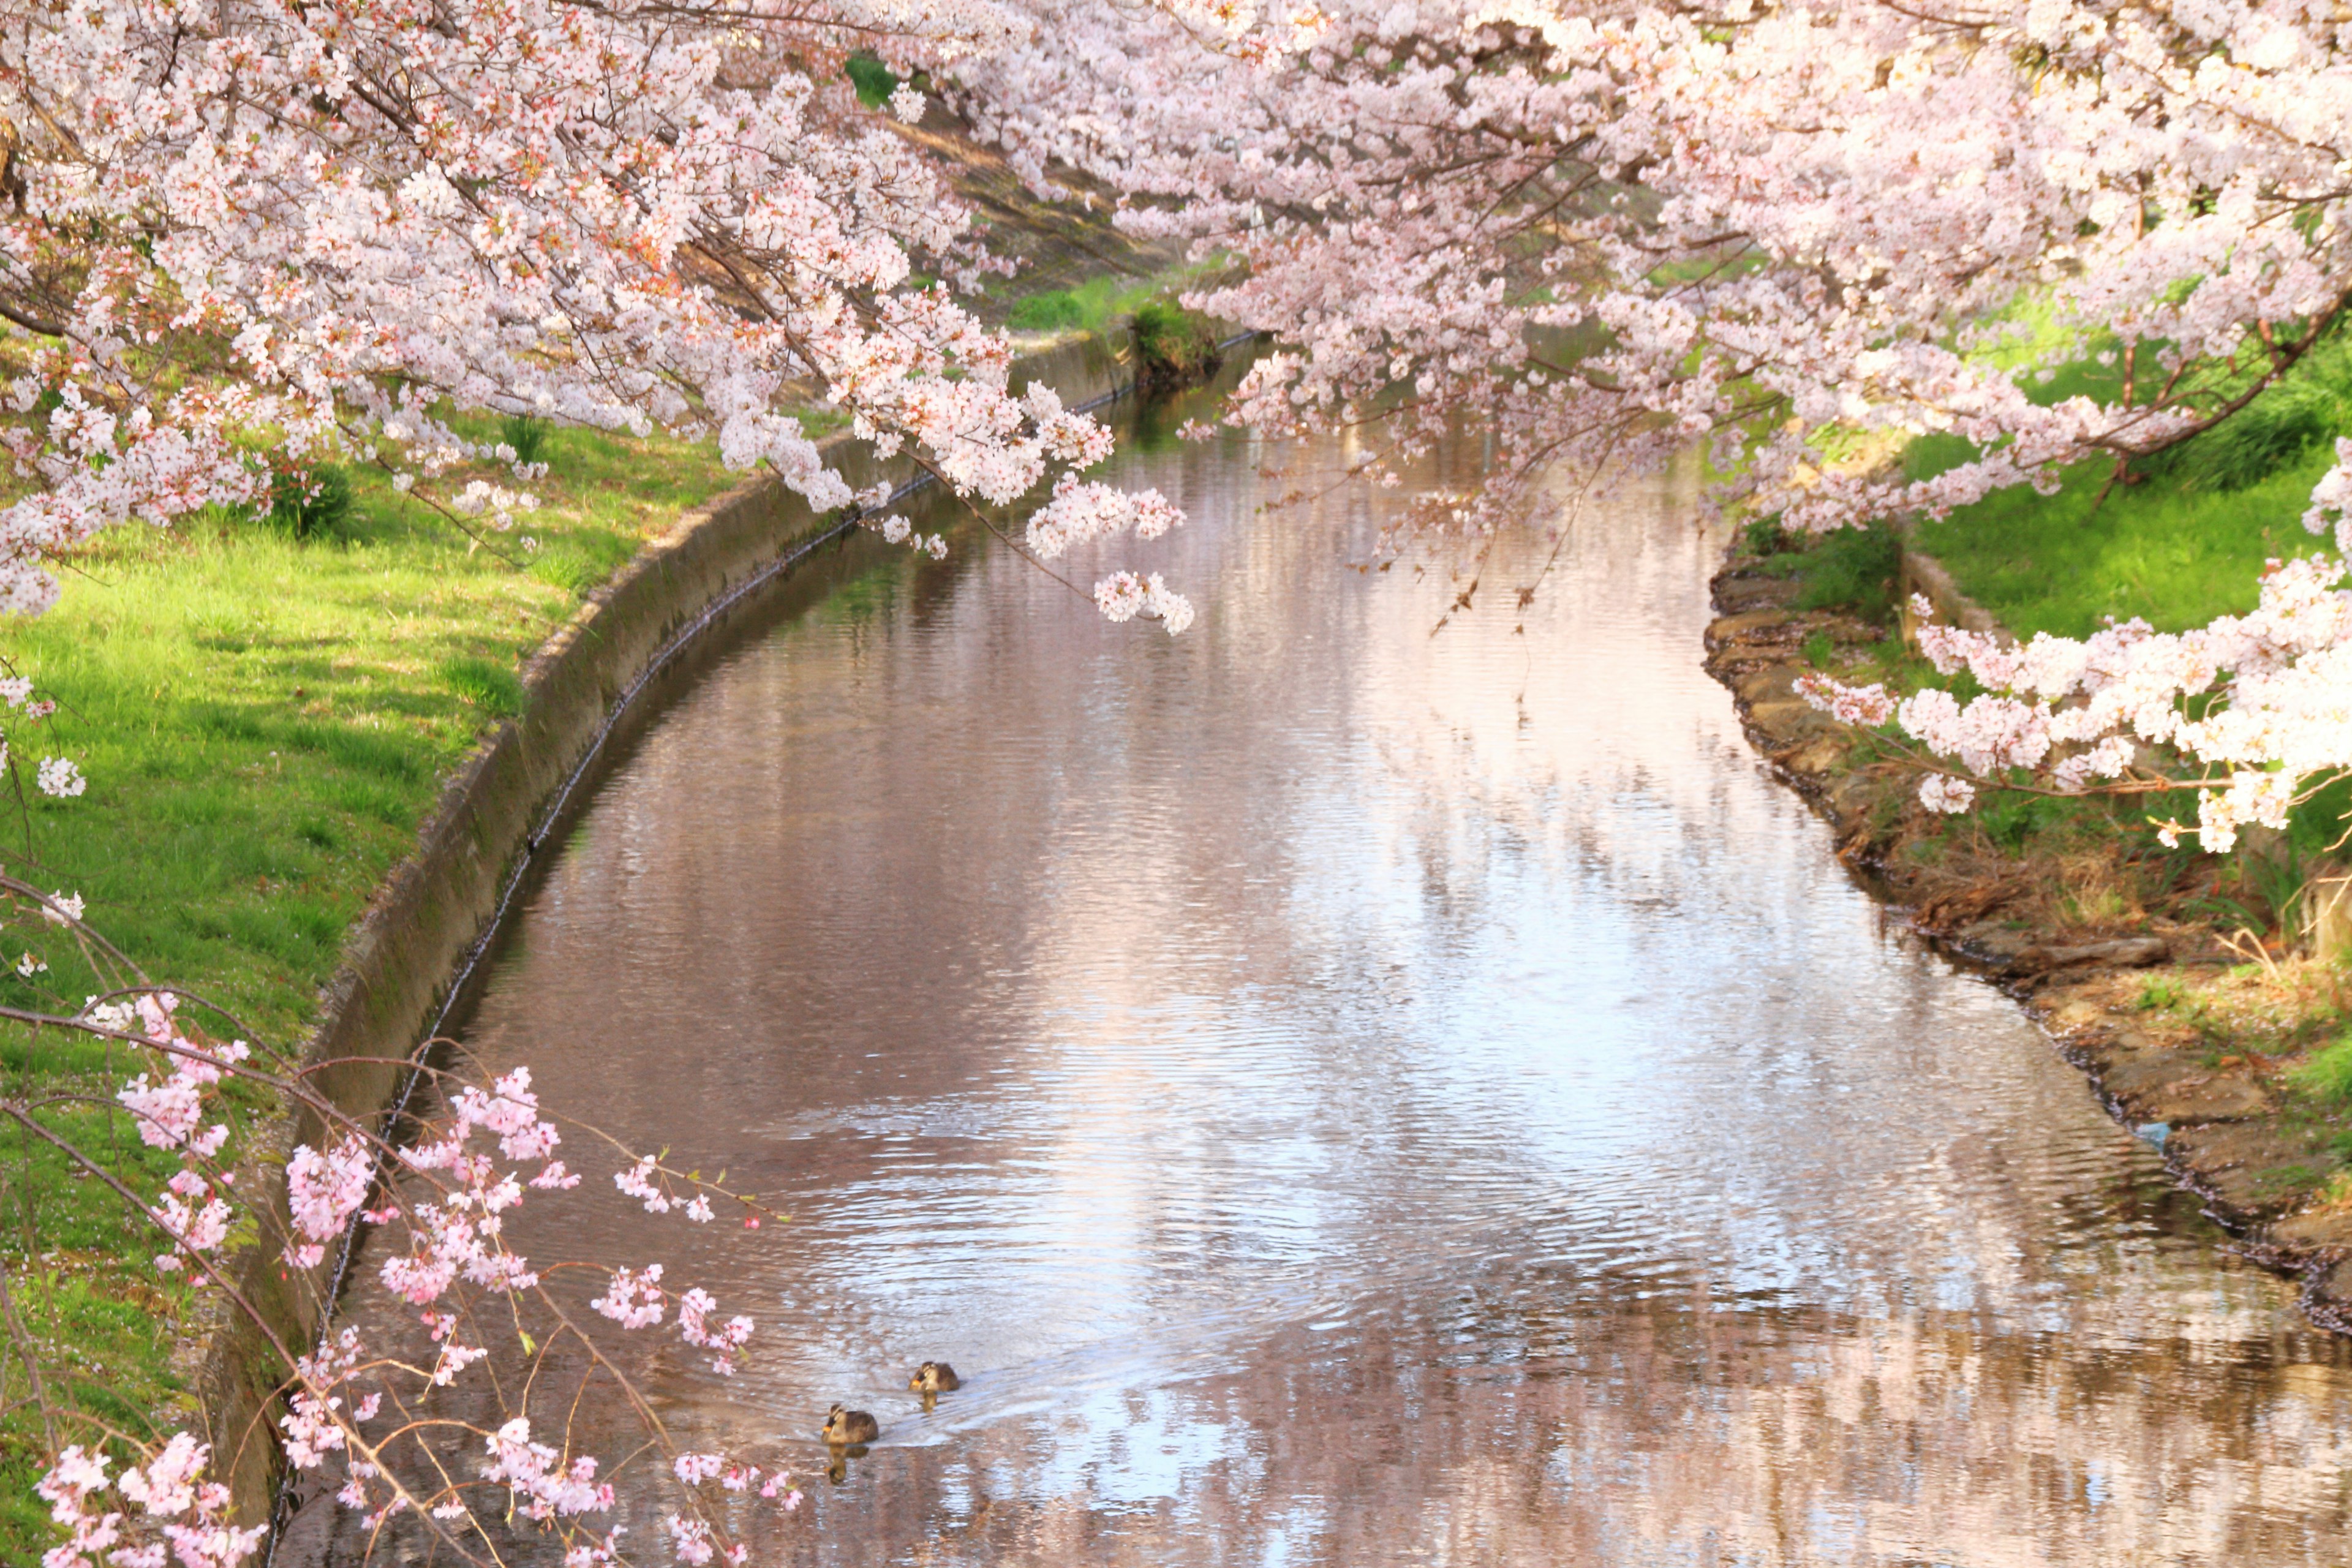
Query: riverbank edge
point(2218, 1128)
point(407, 961)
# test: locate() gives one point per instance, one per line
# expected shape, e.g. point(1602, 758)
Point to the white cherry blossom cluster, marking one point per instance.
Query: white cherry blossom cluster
point(315, 229)
point(1123, 596)
point(1604, 234)
point(2253, 707)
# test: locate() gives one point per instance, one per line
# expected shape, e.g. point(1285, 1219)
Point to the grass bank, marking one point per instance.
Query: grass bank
point(264, 718)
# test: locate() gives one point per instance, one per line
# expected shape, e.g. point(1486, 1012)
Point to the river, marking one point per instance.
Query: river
point(1346, 1095)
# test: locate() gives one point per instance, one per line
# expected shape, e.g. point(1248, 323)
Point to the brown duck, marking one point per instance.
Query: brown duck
point(843, 1427)
point(935, 1377)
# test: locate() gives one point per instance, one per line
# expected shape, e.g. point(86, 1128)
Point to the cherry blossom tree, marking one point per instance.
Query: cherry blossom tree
point(1605, 232)
point(236, 238)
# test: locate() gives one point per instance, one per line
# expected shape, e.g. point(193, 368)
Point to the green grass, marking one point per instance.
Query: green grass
point(1849, 569)
point(2176, 555)
point(2181, 539)
point(1100, 304)
point(265, 717)
point(2326, 1073)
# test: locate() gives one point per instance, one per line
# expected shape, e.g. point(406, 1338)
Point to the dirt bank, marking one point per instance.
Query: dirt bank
point(2192, 1035)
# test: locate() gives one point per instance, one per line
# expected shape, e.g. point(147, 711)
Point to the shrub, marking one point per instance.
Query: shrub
point(1763, 536)
point(874, 80)
point(1174, 345)
point(310, 502)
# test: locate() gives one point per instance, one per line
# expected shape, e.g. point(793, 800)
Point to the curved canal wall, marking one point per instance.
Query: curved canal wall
point(406, 964)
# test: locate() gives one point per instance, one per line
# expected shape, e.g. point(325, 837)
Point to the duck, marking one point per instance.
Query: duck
point(843, 1427)
point(935, 1377)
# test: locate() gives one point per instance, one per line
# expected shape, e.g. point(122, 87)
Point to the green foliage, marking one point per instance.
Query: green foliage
point(1056, 309)
point(490, 686)
point(1175, 345)
point(1819, 649)
point(311, 503)
point(1849, 569)
point(526, 435)
point(2315, 828)
point(874, 80)
point(2326, 1073)
point(2011, 819)
point(2309, 408)
point(1764, 536)
point(2160, 993)
point(2277, 880)
point(1852, 569)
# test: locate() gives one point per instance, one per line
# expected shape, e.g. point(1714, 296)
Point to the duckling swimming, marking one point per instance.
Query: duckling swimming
point(935, 1377)
point(843, 1427)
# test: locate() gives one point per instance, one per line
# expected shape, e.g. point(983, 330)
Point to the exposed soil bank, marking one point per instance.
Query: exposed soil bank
point(2227, 1125)
point(407, 961)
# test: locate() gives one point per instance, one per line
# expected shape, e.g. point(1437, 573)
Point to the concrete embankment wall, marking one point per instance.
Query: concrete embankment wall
point(1922, 576)
point(407, 964)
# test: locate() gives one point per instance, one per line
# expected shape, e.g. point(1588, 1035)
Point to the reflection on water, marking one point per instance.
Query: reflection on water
point(1343, 1095)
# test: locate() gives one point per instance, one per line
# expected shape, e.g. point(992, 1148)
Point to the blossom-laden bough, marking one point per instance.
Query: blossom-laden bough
point(1604, 232)
point(439, 1196)
point(233, 241)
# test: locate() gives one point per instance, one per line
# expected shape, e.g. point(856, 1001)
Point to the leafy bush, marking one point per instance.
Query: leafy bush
point(1056, 309)
point(310, 502)
point(486, 686)
point(1854, 569)
point(1175, 345)
point(1764, 536)
point(874, 80)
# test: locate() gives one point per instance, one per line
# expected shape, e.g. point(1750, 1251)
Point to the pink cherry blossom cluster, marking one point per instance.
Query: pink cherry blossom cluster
point(181, 1518)
point(169, 1111)
point(458, 1182)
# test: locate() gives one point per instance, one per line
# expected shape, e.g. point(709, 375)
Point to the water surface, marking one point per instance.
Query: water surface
point(1345, 1095)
